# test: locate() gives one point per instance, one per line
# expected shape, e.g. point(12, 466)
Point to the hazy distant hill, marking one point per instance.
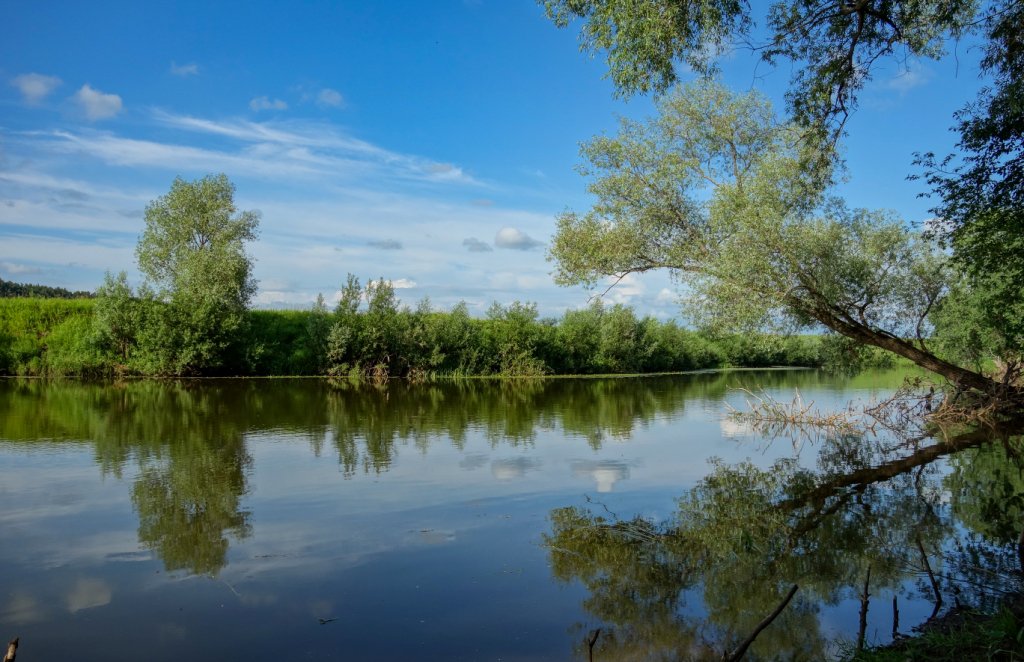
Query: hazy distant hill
point(10, 289)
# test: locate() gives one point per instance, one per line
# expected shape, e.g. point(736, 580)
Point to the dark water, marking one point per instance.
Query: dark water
point(296, 519)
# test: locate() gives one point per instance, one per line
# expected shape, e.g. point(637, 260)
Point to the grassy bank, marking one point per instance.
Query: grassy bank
point(51, 337)
point(961, 634)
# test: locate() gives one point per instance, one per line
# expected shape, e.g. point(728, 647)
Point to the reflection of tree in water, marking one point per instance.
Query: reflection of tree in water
point(365, 422)
point(867, 520)
point(190, 500)
point(192, 458)
point(185, 437)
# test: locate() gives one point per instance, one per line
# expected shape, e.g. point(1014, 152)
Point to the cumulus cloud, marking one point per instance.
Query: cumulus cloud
point(403, 284)
point(624, 290)
point(97, 105)
point(266, 103)
point(666, 295)
point(190, 69)
point(474, 245)
point(386, 244)
point(514, 239)
point(330, 98)
point(35, 87)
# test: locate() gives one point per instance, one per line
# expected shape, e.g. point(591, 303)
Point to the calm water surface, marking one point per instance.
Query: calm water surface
point(296, 519)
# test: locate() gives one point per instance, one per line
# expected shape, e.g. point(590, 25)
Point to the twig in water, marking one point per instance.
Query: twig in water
point(591, 641)
point(741, 650)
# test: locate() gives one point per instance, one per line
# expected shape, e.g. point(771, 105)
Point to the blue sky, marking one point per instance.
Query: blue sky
point(430, 143)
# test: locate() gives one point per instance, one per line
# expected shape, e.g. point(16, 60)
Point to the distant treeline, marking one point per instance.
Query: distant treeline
point(369, 335)
point(9, 289)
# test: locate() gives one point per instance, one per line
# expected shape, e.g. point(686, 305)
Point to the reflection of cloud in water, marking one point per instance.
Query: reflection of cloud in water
point(474, 460)
point(22, 608)
point(513, 467)
point(732, 427)
point(605, 472)
point(88, 593)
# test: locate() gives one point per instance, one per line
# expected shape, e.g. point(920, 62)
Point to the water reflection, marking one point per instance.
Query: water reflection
point(871, 519)
point(417, 509)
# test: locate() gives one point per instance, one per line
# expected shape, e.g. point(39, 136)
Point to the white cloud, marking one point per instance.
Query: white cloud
point(97, 105)
point(474, 245)
point(35, 87)
point(514, 239)
point(330, 98)
point(624, 290)
point(265, 103)
point(403, 284)
point(914, 75)
point(667, 296)
point(15, 268)
point(190, 69)
point(318, 143)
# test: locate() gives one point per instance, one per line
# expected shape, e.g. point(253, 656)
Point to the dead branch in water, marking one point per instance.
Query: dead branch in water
point(770, 416)
point(917, 410)
point(12, 650)
point(741, 650)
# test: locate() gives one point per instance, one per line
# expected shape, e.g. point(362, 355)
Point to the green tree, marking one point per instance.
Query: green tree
point(192, 253)
point(832, 46)
point(318, 329)
point(716, 190)
point(981, 200)
point(118, 316)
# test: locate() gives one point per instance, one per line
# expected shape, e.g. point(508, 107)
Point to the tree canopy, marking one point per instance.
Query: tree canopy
point(716, 189)
point(833, 45)
point(198, 285)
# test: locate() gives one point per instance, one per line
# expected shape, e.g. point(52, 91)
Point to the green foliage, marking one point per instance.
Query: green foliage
point(29, 328)
point(721, 194)
point(831, 47)
point(192, 253)
point(124, 332)
point(10, 289)
point(981, 189)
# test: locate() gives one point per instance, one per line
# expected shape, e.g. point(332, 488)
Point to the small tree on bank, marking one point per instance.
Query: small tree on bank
point(198, 281)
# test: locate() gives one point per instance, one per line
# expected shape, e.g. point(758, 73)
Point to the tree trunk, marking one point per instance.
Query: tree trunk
point(960, 377)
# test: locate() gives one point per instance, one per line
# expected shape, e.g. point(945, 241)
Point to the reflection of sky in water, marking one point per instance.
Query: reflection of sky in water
point(427, 555)
point(605, 473)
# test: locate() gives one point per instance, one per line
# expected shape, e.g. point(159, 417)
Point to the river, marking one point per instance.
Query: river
point(626, 518)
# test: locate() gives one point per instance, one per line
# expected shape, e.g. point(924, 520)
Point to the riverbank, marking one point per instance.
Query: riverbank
point(960, 634)
point(57, 337)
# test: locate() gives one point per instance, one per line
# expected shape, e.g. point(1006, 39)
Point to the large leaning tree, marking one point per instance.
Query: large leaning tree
point(715, 189)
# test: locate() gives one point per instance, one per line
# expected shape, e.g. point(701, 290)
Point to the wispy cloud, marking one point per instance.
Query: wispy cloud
point(17, 269)
point(35, 88)
point(97, 105)
point(317, 142)
point(474, 245)
point(912, 76)
point(329, 98)
point(386, 244)
point(183, 70)
point(515, 239)
point(265, 103)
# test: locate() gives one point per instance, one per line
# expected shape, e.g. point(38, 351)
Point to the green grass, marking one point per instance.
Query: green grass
point(966, 636)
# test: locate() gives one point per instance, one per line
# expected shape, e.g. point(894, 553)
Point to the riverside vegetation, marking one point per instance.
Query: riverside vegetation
point(56, 337)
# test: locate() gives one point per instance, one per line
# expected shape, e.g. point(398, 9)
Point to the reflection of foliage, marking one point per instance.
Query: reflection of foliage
point(188, 503)
point(742, 535)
